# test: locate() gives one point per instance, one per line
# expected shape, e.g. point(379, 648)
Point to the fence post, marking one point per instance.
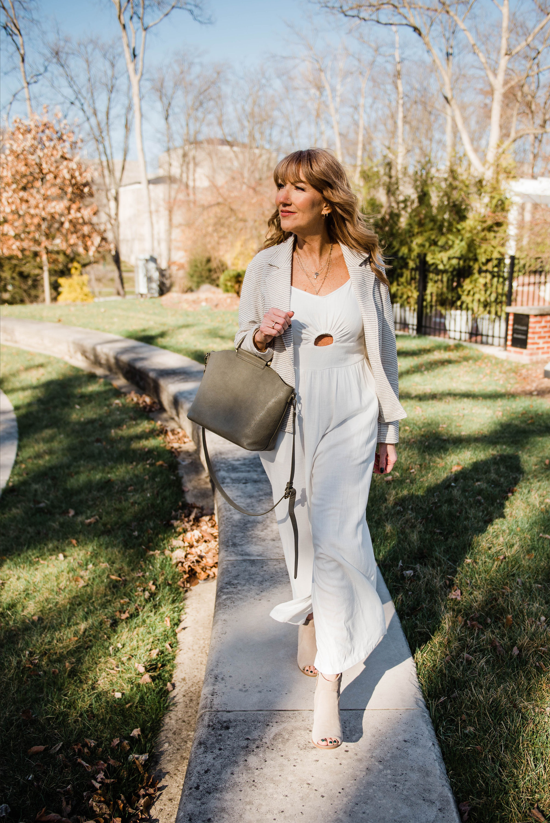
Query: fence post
point(422, 280)
point(509, 292)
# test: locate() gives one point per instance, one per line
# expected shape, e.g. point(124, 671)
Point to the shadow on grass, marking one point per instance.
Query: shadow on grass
point(470, 578)
point(83, 603)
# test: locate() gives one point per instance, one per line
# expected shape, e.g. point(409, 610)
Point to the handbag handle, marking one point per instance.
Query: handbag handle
point(289, 494)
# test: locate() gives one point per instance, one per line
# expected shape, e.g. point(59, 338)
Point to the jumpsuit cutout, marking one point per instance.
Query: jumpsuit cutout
point(337, 427)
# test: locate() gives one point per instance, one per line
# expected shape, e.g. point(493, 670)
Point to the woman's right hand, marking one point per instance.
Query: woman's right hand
point(274, 323)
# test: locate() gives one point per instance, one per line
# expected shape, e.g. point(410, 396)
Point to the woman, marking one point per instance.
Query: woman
point(315, 302)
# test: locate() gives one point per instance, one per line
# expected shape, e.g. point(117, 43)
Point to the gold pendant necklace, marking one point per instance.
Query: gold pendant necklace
point(321, 267)
point(314, 282)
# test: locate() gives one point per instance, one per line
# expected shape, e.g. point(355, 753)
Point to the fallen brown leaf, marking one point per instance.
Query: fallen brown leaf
point(36, 749)
point(496, 645)
point(509, 620)
point(464, 809)
point(136, 733)
point(146, 679)
point(140, 668)
point(536, 814)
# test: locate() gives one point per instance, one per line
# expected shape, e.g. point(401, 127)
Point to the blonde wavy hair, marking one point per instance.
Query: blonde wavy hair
point(345, 223)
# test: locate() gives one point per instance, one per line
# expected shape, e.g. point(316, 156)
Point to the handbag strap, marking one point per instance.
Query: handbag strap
point(289, 494)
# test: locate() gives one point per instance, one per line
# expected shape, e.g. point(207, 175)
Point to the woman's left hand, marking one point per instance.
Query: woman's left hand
point(385, 458)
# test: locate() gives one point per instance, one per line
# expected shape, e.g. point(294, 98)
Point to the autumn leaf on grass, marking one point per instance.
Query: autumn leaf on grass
point(56, 748)
point(464, 809)
point(82, 763)
point(140, 668)
point(36, 749)
point(91, 520)
point(457, 468)
point(496, 645)
point(136, 733)
point(536, 814)
point(79, 582)
point(456, 594)
point(509, 620)
point(146, 679)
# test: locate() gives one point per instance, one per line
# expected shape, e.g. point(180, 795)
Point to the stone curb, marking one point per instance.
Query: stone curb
point(8, 439)
point(252, 758)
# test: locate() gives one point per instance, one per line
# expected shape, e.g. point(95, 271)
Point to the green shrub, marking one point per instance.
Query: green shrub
point(21, 279)
point(203, 270)
point(231, 281)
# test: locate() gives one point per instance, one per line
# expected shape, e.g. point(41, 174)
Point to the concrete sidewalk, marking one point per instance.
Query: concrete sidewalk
point(252, 757)
point(8, 439)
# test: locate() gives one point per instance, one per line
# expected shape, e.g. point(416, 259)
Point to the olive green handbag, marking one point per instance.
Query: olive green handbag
point(243, 400)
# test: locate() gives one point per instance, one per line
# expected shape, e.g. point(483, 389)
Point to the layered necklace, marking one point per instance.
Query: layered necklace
point(316, 274)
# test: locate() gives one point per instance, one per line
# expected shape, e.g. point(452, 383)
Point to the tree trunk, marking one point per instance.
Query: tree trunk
point(334, 116)
point(498, 95)
point(136, 97)
point(119, 281)
point(135, 77)
point(46, 277)
point(449, 124)
point(360, 134)
point(400, 159)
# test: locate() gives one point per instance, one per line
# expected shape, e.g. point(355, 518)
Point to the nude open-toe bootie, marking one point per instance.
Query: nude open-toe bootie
point(326, 714)
point(307, 648)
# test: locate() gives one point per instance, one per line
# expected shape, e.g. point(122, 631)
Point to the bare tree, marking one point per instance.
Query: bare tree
point(187, 92)
point(521, 36)
point(400, 148)
point(14, 13)
point(94, 81)
point(135, 19)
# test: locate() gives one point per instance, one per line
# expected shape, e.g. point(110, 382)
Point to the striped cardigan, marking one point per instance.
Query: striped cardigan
point(267, 285)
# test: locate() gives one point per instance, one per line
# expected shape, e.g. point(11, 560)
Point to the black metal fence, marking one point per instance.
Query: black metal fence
point(465, 302)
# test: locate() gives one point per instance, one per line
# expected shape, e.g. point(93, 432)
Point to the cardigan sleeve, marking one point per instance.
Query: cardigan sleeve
point(251, 312)
point(388, 432)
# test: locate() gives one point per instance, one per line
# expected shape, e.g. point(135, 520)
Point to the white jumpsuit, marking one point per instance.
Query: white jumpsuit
point(336, 437)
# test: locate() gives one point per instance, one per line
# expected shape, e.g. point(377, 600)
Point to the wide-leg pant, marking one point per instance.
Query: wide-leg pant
point(335, 448)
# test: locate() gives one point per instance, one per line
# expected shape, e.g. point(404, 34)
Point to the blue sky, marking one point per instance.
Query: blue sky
point(242, 32)
point(242, 29)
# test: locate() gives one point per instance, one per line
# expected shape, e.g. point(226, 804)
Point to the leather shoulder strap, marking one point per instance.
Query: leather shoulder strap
point(290, 491)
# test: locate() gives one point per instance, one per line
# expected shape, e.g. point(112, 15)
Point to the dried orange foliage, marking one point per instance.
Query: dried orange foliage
point(46, 191)
point(196, 546)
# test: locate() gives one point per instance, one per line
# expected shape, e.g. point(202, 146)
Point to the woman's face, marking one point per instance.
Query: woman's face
point(301, 208)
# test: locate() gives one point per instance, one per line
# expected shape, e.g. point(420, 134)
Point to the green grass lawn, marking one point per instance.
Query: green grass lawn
point(457, 533)
point(85, 611)
point(191, 333)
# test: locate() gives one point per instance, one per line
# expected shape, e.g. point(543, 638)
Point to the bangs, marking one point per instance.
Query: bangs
point(290, 169)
